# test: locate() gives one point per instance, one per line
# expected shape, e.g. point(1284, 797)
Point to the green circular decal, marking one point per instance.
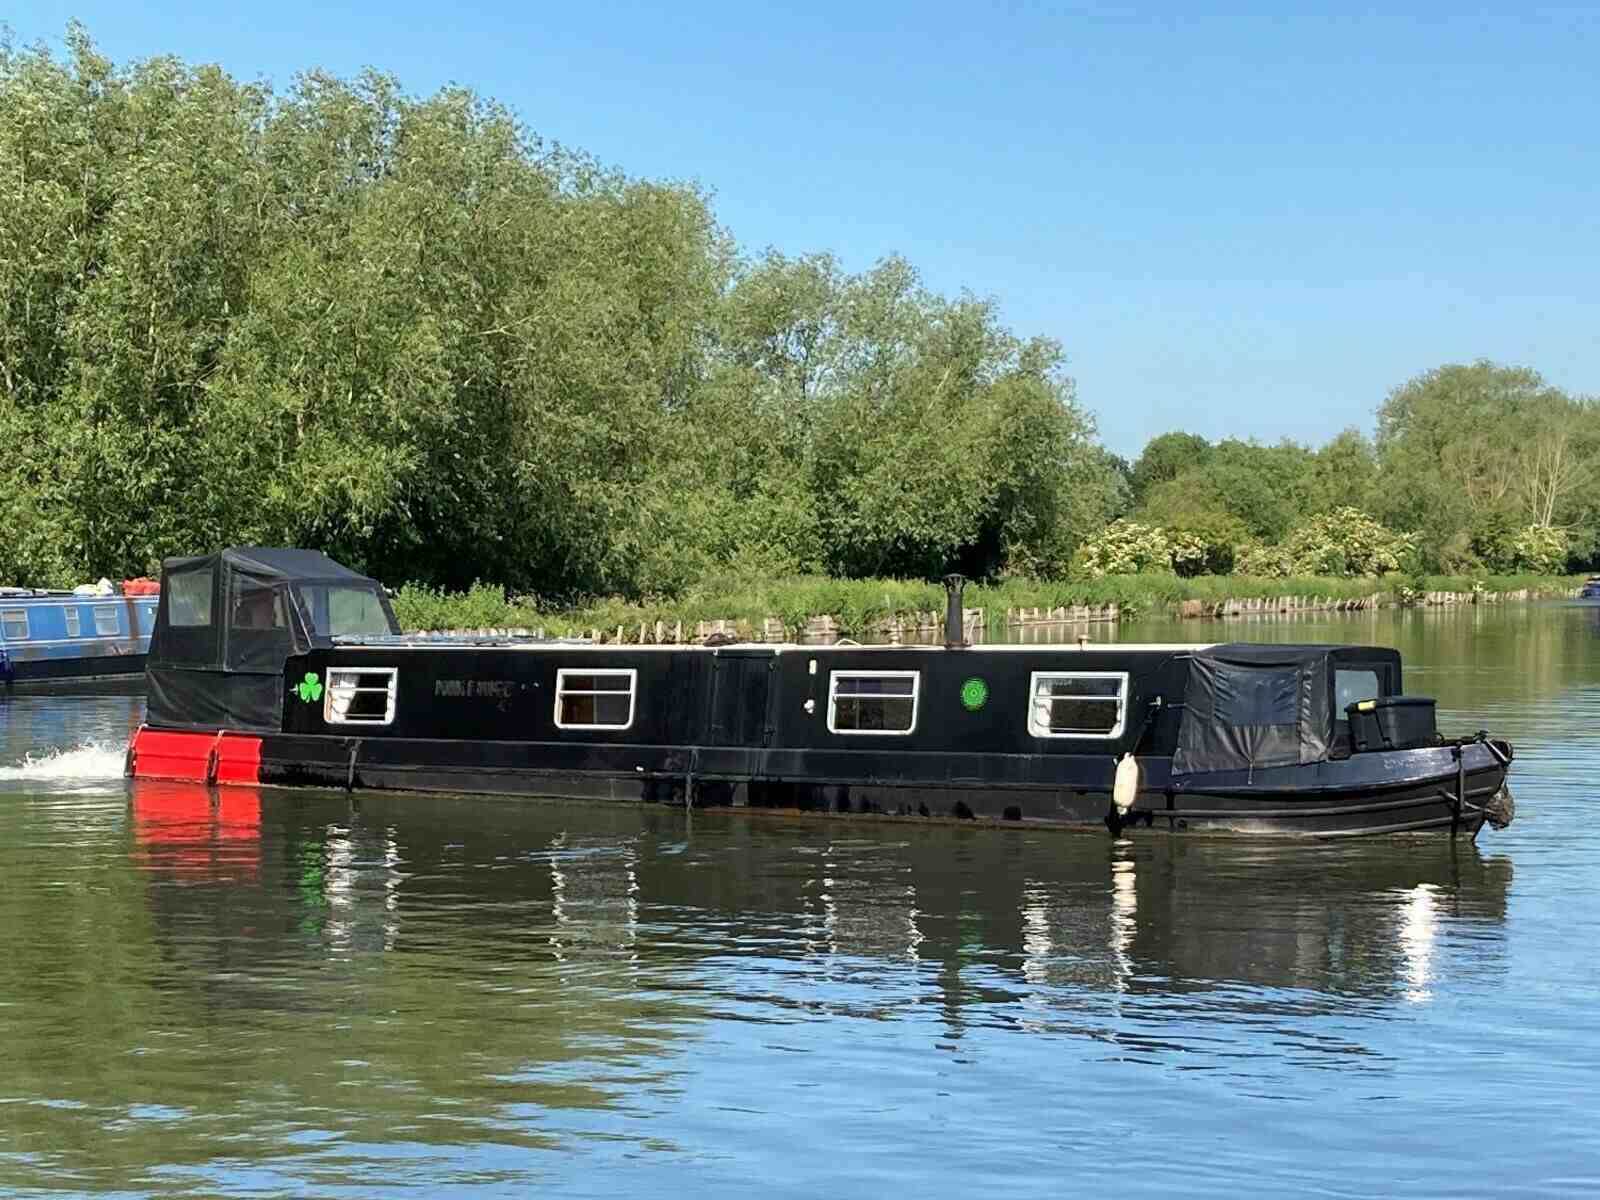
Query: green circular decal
point(974, 694)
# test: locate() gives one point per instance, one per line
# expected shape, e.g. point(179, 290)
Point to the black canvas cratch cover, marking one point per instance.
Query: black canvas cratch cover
point(1249, 705)
point(228, 621)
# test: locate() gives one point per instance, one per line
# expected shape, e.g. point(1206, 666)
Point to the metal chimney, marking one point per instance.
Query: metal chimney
point(955, 625)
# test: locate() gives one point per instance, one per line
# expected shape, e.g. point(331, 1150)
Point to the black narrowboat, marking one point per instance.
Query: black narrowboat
point(282, 667)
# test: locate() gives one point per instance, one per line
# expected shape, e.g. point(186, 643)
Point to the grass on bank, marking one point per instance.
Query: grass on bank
point(859, 604)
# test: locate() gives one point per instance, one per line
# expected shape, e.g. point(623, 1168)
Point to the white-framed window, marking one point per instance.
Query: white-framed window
point(595, 699)
point(1078, 704)
point(14, 621)
point(873, 702)
point(74, 621)
point(105, 619)
point(360, 695)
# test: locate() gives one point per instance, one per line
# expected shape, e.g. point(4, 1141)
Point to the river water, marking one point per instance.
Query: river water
point(290, 994)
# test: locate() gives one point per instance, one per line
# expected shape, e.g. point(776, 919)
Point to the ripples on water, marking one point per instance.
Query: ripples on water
point(286, 993)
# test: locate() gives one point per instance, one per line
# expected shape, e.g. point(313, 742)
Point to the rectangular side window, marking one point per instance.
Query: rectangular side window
point(74, 621)
point(105, 620)
point(595, 699)
point(252, 606)
point(882, 702)
point(14, 621)
point(1349, 687)
point(1078, 704)
point(359, 695)
point(189, 599)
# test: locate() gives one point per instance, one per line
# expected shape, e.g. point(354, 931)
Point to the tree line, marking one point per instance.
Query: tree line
point(411, 333)
point(1473, 468)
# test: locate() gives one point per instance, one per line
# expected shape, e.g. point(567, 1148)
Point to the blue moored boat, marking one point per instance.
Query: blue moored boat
point(63, 639)
point(1590, 589)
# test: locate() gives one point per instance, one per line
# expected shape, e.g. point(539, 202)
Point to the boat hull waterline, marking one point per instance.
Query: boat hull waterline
point(1420, 792)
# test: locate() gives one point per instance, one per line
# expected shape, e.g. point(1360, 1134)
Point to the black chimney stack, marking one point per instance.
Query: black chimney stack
point(955, 625)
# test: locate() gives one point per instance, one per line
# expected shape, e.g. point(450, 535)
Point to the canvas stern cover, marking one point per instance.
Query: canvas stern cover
point(1249, 706)
point(225, 626)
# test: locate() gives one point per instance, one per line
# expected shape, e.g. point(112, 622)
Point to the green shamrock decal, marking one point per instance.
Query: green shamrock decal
point(974, 694)
point(309, 689)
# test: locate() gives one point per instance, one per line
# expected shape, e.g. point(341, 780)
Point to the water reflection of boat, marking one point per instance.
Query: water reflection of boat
point(186, 833)
point(595, 892)
point(1348, 921)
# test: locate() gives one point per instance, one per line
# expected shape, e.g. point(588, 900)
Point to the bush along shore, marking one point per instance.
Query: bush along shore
point(912, 610)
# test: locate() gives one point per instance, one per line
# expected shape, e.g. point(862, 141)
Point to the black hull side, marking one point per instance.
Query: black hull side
point(117, 673)
point(1398, 792)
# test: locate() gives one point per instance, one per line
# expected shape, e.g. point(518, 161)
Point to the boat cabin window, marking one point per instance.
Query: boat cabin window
point(1078, 704)
point(105, 620)
point(74, 621)
point(14, 621)
point(595, 699)
point(360, 695)
point(258, 625)
point(189, 598)
point(251, 606)
point(343, 609)
point(1350, 686)
point(872, 701)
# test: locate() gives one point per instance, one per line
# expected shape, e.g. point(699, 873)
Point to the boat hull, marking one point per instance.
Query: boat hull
point(1446, 789)
point(61, 642)
point(105, 672)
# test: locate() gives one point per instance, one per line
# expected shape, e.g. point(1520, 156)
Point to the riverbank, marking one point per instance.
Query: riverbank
point(785, 609)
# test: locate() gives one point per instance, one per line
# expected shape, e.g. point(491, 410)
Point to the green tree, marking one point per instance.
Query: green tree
point(1463, 442)
point(1343, 473)
point(1165, 457)
point(1267, 488)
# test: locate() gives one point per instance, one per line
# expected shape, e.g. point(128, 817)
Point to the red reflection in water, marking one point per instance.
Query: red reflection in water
point(197, 834)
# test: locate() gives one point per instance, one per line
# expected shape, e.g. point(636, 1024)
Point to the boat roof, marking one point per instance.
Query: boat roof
point(15, 595)
point(271, 562)
point(514, 642)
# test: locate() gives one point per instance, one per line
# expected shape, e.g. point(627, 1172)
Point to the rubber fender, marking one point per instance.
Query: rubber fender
point(1501, 809)
point(238, 759)
point(159, 754)
point(1126, 786)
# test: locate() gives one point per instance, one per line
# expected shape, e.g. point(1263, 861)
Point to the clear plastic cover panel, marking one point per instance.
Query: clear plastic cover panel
point(343, 610)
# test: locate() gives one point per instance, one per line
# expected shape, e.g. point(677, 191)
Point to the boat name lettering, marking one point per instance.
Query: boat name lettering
point(467, 689)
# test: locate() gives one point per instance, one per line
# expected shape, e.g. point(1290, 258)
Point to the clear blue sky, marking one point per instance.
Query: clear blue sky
point(1249, 221)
